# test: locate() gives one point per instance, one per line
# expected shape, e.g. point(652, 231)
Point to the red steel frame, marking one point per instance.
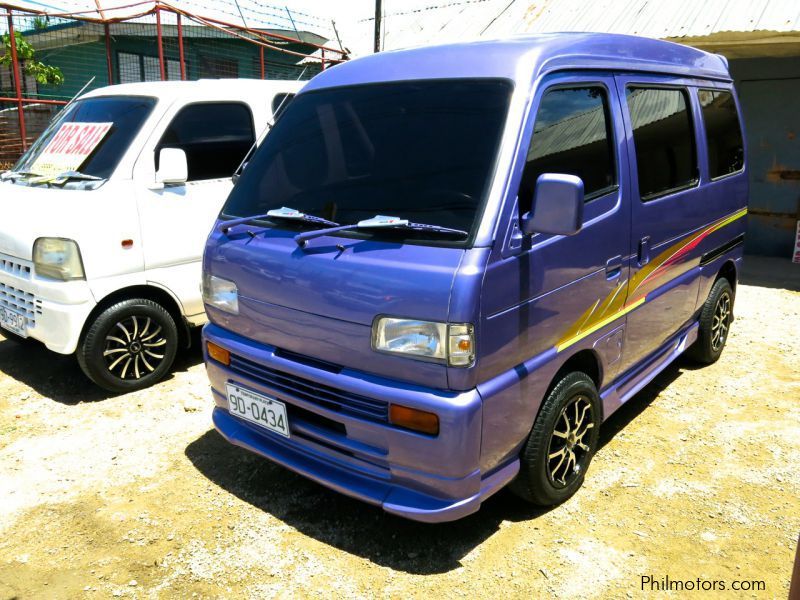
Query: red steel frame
point(256, 36)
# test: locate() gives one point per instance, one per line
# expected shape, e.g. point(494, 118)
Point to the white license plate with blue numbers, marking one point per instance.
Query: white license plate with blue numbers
point(13, 321)
point(257, 408)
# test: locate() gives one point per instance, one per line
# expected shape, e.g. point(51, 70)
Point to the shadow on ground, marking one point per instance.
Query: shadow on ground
point(770, 272)
point(59, 377)
point(365, 530)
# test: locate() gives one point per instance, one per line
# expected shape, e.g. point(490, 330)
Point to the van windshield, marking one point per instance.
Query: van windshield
point(126, 115)
point(421, 150)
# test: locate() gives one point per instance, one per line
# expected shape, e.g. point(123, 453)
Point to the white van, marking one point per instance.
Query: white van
point(105, 218)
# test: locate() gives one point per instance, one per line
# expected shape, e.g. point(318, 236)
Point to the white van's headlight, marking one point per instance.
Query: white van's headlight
point(221, 293)
point(442, 342)
point(57, 258)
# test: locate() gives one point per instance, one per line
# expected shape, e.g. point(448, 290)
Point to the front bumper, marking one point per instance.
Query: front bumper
point(55, 311)
point(341, 438)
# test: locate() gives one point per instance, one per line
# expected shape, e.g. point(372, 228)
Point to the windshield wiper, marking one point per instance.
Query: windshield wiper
point(277, 213)
point(63, 178)
point(14, 175)
point(379, 222)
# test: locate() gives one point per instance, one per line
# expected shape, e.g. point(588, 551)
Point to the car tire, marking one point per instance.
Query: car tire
point(130, 346)
point(561, 445)
point(716, 317)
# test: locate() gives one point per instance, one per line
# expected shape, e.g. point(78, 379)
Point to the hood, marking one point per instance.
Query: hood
point(96, 219)
point(320, 301)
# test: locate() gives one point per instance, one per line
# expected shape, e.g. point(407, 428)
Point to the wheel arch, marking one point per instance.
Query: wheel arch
point(728, 271)
point(153, 293)
point(585, 361)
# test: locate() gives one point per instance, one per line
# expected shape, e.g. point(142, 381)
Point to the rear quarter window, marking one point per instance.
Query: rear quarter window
point(723, 132)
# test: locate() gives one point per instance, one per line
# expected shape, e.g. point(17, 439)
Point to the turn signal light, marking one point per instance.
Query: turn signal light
point(218, 353)
point(416, 420)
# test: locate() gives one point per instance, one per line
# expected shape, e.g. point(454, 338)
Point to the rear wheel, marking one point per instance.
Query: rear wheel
point(130, 346)
point(715, 323)
point(561, 444)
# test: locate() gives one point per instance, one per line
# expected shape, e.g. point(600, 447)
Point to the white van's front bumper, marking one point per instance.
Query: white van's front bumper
point(54, 311)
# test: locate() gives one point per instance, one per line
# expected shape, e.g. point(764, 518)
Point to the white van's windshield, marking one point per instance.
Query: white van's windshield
point(422, 151)
point(126, 114)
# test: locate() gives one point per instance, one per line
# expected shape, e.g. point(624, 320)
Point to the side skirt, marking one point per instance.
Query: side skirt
point(643, 373)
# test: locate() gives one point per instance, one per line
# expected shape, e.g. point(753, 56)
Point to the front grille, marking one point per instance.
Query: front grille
point(321, 395)
point(15, 266)
point(20, 301)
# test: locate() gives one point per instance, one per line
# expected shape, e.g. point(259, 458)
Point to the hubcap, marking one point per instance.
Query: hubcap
point(569, 450)
point(721, 322)
point(135, 347)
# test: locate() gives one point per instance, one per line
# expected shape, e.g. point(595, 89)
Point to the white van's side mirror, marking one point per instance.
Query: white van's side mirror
point(557, 205)
point(172, 167)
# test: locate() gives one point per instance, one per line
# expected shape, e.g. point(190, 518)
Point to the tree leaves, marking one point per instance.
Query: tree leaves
point(44, 74)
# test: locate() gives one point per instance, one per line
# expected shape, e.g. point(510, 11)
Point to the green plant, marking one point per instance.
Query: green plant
point(43, 73)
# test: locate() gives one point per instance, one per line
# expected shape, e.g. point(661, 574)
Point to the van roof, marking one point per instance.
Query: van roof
point(524, 57)
point(199, 90)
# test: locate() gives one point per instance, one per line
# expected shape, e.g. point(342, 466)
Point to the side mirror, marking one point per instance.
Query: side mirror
point(557, 205)
point(172, 167)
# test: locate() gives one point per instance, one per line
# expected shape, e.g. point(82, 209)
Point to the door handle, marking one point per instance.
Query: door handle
point(613, 267)
point(644, 251)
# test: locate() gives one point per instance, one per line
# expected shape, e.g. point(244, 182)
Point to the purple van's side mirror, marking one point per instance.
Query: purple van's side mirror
point(557, 205)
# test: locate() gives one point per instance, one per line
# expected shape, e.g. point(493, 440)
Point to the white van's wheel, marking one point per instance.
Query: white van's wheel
point(130, 346)
point(561, 444)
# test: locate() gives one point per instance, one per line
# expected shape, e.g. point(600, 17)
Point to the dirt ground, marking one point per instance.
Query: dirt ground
point(136, 496)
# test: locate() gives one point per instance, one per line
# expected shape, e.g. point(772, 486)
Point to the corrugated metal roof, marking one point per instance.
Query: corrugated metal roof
point(458, 20)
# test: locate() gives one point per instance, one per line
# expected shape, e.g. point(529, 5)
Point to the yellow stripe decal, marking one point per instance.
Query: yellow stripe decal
point(600, 324)
point(597, 311)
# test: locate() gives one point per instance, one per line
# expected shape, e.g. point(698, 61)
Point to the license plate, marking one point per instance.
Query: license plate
point(13, 321)
point(258, 409)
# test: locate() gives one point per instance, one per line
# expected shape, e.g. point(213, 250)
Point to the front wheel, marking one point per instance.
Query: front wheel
point(561, 444)
point(130, 346)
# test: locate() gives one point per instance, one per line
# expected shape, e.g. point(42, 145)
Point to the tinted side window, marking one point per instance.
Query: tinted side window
point(279, 104)
point(723, 134)
point(666, 158)
point(214, 135)
point(571, 135)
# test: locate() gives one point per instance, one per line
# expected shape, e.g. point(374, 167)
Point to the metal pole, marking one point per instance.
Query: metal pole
point(17, 82)
point(323, 59)
point(161, 62)
point(263, 66)
point(180, 47)
point(108, 54)
point(378, 13)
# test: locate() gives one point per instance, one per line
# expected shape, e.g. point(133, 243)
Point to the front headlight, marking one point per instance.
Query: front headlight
point(221, 293)
point(453, 344)
point(57, 258)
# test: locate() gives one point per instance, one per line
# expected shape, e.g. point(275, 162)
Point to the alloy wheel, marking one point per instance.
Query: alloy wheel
point(720, 322)
point(134, 347)
point(568, 452)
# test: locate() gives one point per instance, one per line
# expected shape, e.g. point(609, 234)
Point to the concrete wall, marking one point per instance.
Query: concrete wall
point(769, 90)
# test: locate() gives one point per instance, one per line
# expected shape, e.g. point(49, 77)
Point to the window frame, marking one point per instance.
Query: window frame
point(610, 132)
point(158, 146)
point(688, 99)
point(141, 56)
point(702, 88)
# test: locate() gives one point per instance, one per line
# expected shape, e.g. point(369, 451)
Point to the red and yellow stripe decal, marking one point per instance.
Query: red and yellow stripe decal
point(625, 298)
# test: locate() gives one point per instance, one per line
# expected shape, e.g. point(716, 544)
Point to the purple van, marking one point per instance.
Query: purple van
point(445, 267)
